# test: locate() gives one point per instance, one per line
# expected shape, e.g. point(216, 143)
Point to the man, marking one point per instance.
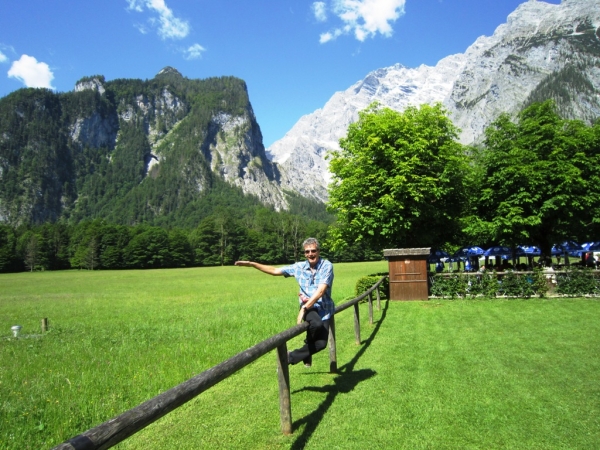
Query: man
point(315, 278)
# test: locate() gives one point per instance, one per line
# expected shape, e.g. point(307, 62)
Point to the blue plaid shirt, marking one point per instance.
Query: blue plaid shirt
point(309, 281)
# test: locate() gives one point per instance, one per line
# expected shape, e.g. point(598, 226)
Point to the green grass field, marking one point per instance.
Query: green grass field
point(437, 374)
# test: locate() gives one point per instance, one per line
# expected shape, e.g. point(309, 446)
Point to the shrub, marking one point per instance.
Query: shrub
point(489, 285)
point(577, 281)
point(452, 286)
point(366, 282)
point(484, 284)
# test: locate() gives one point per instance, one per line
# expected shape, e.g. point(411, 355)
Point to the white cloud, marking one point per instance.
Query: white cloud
point(135, 5)
point(3, 58)
point(31, 72)
point(169, 26)
point(194, 51)
point(141, 28)
point(320, 11)
point(326, 37)
point(365, 18)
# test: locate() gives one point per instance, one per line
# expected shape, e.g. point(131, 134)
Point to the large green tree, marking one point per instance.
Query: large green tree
point(399, 179)
point(539, 180)
point(8, 249)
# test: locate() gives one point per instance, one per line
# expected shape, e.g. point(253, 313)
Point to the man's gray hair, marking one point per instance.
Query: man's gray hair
point(311, 241)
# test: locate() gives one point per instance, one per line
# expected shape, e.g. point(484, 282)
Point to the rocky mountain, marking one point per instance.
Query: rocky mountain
point(542, 51)
point(130, 150)
point(169, 149)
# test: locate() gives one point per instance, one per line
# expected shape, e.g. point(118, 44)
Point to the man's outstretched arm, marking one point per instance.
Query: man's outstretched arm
point(262, 267)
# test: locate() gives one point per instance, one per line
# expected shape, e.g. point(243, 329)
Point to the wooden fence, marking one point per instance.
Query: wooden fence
point(130, 422)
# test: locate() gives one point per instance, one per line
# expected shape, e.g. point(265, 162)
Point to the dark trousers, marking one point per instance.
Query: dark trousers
point(316, 339)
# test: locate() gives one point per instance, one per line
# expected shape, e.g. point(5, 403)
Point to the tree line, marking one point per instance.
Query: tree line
point(219, 239)
point(402, 179)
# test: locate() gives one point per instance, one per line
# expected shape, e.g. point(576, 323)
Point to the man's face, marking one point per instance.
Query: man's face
point(312, 254)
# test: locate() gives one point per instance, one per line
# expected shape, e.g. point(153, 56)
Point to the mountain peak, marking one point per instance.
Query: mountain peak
point(168, 70)
point(93, 83)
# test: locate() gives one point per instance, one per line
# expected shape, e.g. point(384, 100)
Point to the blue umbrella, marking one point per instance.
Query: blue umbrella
point(498, 250)
point(528, 250)
point(466, 252)
point(572, 248)
point(436, 255)
point(455, 259)
point(591, 247)
point(570, 245)
point(569, 248)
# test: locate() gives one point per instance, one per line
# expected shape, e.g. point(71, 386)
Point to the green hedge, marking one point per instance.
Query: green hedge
point(365, 283)
point(490, 285)
point(577, 282)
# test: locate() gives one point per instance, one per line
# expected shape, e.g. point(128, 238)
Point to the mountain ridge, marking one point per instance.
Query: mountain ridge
point(497, 73)
point(129, 150)
point(151, 151)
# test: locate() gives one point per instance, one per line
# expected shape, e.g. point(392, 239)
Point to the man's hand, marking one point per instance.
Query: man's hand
point(301, 316)
point(243, 263)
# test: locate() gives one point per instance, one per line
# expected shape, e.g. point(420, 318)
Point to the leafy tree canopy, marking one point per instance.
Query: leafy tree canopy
point(398, 179)
point(539, 180)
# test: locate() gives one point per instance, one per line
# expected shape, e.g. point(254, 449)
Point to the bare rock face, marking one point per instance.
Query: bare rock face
point(95, 130)
point(542, 49)
point(235, 151)
point(301, 152)
point(92, 84)
point(539, 44)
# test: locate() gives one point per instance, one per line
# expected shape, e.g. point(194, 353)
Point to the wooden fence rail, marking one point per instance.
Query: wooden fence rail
point(119, 428)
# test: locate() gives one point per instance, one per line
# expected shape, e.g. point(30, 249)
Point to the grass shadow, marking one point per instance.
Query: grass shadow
point(344, 383)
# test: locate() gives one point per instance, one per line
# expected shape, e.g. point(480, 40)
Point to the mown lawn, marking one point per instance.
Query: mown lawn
point(436, 374)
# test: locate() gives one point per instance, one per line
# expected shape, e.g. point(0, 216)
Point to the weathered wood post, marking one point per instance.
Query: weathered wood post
point(285, 404)
point(44, 324)
point(332, 347)
point(356, 324)
point(378, 299)
point(370, 309)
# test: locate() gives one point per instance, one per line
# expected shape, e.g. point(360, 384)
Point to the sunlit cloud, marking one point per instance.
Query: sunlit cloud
point(6, 50)
point(169, 26)
point(330, 35)
point(135, 5)
point(31, 72)
point(320, 11)
point(364, 18)
point(141, 28)
point(194, 51)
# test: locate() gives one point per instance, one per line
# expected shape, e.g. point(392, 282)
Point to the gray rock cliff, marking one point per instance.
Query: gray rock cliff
point(542, 51)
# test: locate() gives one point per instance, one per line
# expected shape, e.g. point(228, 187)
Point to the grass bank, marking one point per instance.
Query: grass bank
point(437, 374)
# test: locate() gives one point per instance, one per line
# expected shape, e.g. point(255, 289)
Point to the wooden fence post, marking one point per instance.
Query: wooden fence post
point(44, 325)
point(285, 404)
point(332, 347)
point(356, 324)
point(370, 309)
point(378, 299)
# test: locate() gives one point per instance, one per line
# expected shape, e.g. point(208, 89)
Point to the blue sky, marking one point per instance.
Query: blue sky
point(294, 55)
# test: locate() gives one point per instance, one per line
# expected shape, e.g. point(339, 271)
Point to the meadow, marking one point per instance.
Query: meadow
point(436, 374)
